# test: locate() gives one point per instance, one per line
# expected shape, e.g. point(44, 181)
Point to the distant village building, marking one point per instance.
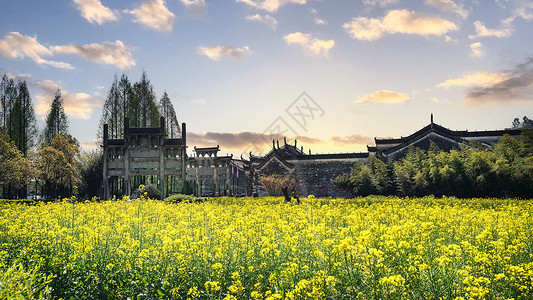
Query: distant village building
point(213, 175)
point(444, 138)
point(313, 172)
point(146, 152)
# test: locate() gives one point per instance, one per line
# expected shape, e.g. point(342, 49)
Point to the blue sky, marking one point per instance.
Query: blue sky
point(235, 69)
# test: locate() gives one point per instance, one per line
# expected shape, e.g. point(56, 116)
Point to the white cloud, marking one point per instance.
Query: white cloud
point(449, 39)
point(477, 49)
point(200, 101)
point(481, 79)
point(90, 145)
point(76, 105)
point(482, 31)
point(398, 21)
point(448, 5)
point(154, 15)
point(266, 19)
point(380, 3)
point(95, 12)
point(18, 77)
point(270, 5)
point(310, 43)
point(215, 53)
point(108, 53)
point(15, 45)
point(523, 9)
point(504, 87)
point(319, 21)
point(383, 96)
point(198, 6)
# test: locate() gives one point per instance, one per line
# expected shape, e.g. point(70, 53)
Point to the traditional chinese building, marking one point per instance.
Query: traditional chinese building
point(314, 173)
point(147, 153)
point(210, 174)
point(444, 138)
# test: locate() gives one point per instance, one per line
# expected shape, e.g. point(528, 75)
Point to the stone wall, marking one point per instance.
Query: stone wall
point(315, 176)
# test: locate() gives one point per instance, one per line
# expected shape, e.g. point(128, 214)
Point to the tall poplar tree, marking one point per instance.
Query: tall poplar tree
point(171, 121)
point(8, 96)
point(24, 131)
point(56, 120)
point(17, 114)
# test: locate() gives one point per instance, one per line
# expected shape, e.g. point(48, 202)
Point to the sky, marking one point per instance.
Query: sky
point(333, 74)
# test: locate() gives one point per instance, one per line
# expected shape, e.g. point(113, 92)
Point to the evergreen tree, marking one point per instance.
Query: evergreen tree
point(143, 110)
point(56, 120)
point(526, 123)
point(8, 94)
point(24, 131)
point(91, 166)
point(17, 114)
point(125, 91)
point(113, 113)
point(168, 112)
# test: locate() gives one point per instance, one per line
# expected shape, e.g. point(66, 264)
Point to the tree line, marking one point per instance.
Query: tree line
point(49, 162)
point(505, 170)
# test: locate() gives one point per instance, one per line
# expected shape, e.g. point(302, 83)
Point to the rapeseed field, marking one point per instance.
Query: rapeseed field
point(263, 248)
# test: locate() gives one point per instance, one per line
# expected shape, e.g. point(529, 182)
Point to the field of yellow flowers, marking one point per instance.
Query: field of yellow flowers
point(263, 248)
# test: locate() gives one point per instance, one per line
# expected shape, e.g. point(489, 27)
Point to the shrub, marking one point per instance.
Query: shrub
point(179, 198)
point(152, 191)
point(274, 184)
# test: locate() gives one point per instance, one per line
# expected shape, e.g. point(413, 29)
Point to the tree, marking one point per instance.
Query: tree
point(24, 131)
point(125, 91)
point(410, 173)
point(343, 183)
point(59, 167)
point(17, 171)
point(362, 180)
point(526, 123)
point(17, 114)
point(381, 175)
point(480, 171)
point(113, 113)
point(91, 166)
point(56, 121)
point(526, 142)
point(143, 111)
point(168, 112)
point(516, 123)
point(274, 184)
point(8, 95)
point(526, 150)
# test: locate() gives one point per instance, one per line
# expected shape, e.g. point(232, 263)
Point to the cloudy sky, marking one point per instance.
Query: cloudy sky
point(335, 74)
